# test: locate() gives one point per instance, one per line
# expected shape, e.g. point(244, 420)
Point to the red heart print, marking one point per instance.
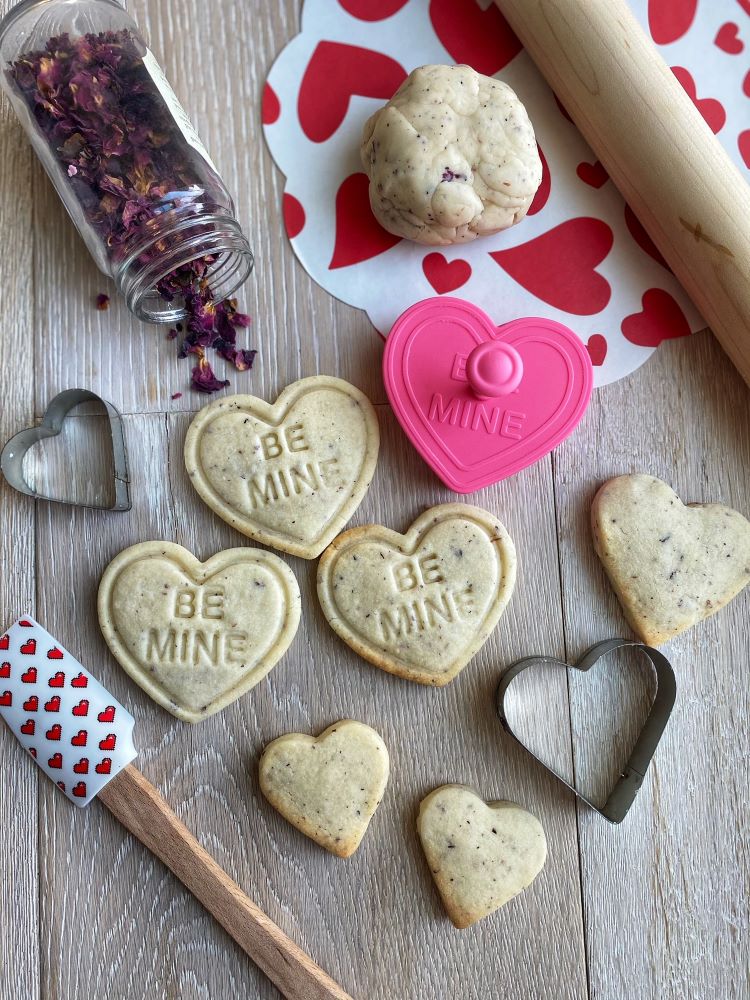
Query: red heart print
point(6, 699)
point(481, 38)
point(80, 790)
point(28, 728)
point(445, 276)
point(55, 654)
point(728, 39)
point(745, 4)
point(25, 623)
point(29, 647)
point(661, 319)
point(32, 705)
point(82, 708)
point(746, 85)
point(81, 681)
point(53, 705)
point(372, 10)
point(105, 767)
point(542, 193)
point(336, 73)
point(597, 348)
point(294, 216)
point(558, 266)
point(58, 680)
point(30, 676)
point(5, 670)
point(642, 238)
point(270, 109)
point(56, 761)
point(743, 143)
point(82, 767)
point(80, 739)
point(55, 733)
point(108, 743)
point(108, 715)
point(359, 236)
point(5, 642)
point(592, 174)
point(713, 111)
point(669, 20)
point(32, 751)
point(61, 785)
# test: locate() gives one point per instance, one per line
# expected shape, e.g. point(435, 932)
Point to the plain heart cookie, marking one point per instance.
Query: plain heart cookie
point(288, 474)
point(419, 605)
point(330, 786)
point(671, 564)
point(195, 636)
point(481, 854)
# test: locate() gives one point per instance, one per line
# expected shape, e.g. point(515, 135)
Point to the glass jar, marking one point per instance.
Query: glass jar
point(121, 152)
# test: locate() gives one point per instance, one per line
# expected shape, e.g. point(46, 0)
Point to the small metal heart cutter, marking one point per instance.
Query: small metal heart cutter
point(15, 451)
point(622, 795)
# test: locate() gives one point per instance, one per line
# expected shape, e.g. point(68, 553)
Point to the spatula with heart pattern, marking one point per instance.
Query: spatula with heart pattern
point(81, 737)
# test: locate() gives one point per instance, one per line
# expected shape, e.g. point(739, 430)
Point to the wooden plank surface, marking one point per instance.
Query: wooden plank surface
point(654, 909)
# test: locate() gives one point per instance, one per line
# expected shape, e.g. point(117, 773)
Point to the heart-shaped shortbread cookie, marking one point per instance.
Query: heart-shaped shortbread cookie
point(288, 474)
point(329, 787)
point(419, 605)
point(671, 565)
point(196, 636)
point(481, 854)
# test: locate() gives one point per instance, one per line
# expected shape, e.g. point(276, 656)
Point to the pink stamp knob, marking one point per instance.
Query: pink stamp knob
point(481, 402)
point(494, 370)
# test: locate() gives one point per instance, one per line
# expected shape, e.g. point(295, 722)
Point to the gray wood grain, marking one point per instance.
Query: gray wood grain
point(656, 908)
point(19, 888)
point(665, 895)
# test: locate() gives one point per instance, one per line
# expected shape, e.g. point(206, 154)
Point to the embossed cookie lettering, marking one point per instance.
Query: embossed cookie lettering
point(195, 636)
point(289, 474)
point(419, 605)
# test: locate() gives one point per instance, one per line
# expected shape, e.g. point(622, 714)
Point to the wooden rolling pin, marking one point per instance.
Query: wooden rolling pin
point(657, 148)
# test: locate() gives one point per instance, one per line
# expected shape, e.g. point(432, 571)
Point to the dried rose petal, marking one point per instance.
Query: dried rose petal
point(96, 103)
point(102, 302)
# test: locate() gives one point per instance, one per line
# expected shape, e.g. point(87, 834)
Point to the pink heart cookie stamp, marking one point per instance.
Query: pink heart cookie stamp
point(481, 402)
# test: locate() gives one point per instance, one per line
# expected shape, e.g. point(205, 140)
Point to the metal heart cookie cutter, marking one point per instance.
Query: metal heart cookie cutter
point(623, 794)
point(15, 451)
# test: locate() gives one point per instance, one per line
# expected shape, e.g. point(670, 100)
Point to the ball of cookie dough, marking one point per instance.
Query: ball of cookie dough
point(452, 156)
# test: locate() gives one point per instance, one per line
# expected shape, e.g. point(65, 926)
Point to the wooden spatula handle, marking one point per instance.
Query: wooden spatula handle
point(658, 150)
point(142, 810)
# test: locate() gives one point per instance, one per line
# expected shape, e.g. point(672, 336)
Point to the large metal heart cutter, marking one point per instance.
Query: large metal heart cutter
point(622, 795)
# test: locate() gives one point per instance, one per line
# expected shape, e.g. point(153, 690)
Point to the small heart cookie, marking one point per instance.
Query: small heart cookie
point(419, 605)
point(481, 854)
point(288, 474)
point(330, 786)
point(671, 564)
point(195, 636)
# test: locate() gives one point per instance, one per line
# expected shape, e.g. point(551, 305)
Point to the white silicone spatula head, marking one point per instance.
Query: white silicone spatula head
point(79, 735)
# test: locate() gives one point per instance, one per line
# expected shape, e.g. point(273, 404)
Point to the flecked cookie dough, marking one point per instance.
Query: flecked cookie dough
point(671, 564)
point(330, 786)
point(452, 156)
point(419, 605)
point(289, 474)
point(481, 854)
point(195, 636)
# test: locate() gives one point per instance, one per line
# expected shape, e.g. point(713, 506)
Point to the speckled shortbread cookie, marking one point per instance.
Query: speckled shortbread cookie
point(289, 474)
point(330, 786)
point(194, 635)
point(671, 564)
point(481, 854)
point(419, 605)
